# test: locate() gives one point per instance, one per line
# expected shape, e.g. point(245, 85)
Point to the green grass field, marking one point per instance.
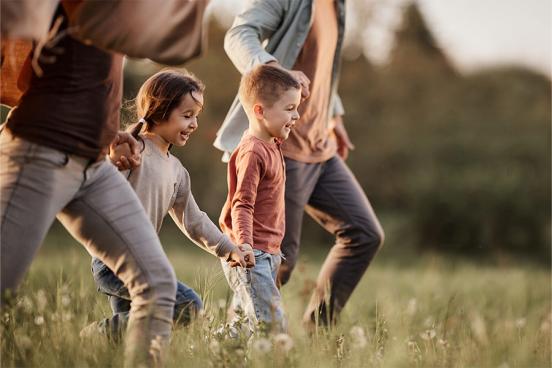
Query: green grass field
point(419, 311)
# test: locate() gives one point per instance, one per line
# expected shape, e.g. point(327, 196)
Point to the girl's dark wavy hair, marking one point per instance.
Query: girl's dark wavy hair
point(160, 95)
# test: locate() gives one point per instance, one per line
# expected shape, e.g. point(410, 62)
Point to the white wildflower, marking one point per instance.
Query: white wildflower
point(428, 322)
point(379, 354)
point(545, 325)
point(41, 300)
point(521, 322)
point(39, 320)
point(214, 346)
point(26, 303)
point(283, 342)
point(428, 334)
point(262, 345)
point(412, 307)
point(358, 337)
point(65, 300)
point(479, 329)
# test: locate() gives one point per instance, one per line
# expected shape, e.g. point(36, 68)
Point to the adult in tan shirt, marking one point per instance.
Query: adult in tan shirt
point(305, 37)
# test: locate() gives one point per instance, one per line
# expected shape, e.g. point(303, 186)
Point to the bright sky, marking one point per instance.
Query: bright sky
point(474, 33)
point(483, 32)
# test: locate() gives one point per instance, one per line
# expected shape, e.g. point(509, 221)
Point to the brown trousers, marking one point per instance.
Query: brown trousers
point(331, 195)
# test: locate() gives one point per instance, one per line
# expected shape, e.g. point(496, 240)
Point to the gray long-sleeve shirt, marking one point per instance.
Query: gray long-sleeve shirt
point(163, 186)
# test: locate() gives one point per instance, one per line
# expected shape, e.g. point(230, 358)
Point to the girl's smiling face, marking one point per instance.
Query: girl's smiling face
point(182, 121)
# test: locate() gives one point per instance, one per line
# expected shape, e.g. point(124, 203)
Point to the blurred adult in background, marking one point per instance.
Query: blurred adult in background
point(53, 146)
point(305, 37)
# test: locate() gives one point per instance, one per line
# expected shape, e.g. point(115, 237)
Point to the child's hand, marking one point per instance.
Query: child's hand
point(242, 255)
point(124, 152)
point(118, 155)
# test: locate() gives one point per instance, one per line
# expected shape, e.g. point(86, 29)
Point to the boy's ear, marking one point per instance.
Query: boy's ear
point(259, 111)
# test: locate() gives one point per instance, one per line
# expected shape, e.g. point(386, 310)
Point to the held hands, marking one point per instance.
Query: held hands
point(344, 143)
point(124, 151)
point(242, 255)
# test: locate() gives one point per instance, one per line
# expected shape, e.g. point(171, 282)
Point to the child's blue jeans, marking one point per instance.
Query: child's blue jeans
point(256, 295)
point(188, 303)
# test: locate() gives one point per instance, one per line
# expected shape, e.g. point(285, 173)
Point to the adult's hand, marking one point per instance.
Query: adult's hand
point(133, 158)
point(344, 144)
point(303, 80)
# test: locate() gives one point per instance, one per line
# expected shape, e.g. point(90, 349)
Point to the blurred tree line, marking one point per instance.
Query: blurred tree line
point(463, 161)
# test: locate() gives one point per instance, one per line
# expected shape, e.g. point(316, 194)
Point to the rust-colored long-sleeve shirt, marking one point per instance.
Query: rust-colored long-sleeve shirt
point(254, 210)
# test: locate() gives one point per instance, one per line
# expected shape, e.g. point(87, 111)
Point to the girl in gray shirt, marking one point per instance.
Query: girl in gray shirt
point(168, 104)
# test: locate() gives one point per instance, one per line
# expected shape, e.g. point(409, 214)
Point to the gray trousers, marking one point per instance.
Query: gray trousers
point(331, 195)
point(99, 208)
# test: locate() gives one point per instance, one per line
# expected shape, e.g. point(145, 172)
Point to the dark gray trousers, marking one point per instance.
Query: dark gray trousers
point(331, 195)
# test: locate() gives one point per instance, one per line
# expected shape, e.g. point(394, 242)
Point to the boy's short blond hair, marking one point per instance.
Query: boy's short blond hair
point(265, 84)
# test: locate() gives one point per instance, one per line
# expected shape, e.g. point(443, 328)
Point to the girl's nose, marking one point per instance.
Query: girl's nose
point(194, 124)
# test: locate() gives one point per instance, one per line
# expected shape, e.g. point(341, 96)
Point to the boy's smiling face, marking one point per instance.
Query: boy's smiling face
point(278, 119)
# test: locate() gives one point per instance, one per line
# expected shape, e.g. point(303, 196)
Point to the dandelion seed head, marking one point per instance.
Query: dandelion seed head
point(428, 334)
point(26, 303)
point(521, 322)
point(428, 322)
point(214, 346)
point(39, 320)
point(283, 342)
point(412, 307)
point(379, 354)
point(65, 300)
point(479, 328)
point(358, 337)
point(262, 345)
point(41, 300)
point(545, 326)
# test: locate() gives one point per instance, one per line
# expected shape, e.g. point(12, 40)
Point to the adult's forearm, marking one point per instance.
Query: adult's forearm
point(243, 46)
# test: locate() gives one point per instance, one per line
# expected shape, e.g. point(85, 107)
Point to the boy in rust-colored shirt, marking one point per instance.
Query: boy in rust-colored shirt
point(254, 210)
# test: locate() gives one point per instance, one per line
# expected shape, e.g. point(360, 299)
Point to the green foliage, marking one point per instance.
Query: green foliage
point(462, 160)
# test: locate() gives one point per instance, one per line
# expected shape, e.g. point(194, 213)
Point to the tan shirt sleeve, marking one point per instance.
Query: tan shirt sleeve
point(195, 223)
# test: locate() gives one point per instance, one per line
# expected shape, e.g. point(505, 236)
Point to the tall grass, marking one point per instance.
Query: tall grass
point(428, 312)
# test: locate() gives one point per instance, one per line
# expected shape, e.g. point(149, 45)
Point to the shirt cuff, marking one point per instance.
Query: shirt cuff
point(224, 247)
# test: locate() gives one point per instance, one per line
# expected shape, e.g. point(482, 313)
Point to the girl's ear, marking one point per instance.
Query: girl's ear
point(259, 111)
